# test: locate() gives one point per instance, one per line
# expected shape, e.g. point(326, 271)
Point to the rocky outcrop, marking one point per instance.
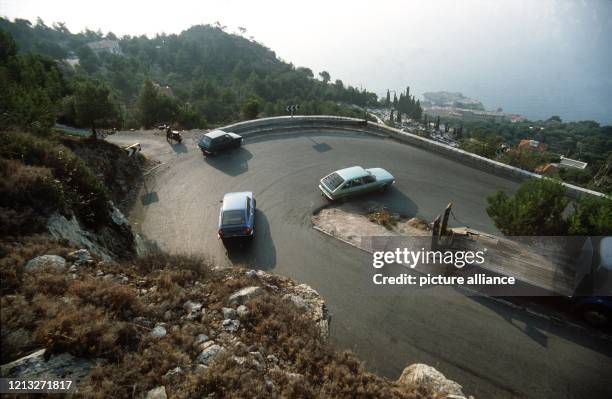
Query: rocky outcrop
point(69, 229)
point(157, 393)
point(306, 298)
point(47, 260)
point(430, 380)
point(35, 366)
point(302, 295)
point(114, 240)
point(244, 295)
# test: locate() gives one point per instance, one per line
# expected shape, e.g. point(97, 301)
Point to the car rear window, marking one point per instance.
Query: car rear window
point(231, 218)
point(333, 181)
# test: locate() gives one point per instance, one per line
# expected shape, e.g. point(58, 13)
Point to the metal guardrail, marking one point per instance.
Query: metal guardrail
point(275, 124)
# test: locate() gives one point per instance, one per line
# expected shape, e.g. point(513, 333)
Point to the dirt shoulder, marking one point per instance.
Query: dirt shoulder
point(350, 222)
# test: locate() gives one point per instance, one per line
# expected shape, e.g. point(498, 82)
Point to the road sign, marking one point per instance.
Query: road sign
point(292, 108)
point(133, 149)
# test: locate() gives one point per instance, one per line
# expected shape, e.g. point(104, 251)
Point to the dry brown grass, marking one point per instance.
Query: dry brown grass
point(383, 217)
point(94, 317)
point(16, 251)
point(27, 195)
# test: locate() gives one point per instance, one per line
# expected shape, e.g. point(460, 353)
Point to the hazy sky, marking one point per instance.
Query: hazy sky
point(537, 58)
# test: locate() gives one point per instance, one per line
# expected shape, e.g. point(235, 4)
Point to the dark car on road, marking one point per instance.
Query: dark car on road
point(237, 216)
point(218, 140)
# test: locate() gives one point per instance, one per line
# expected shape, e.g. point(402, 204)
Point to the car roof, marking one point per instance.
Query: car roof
point(352, 173)
point(215, 133)
point(235, 201)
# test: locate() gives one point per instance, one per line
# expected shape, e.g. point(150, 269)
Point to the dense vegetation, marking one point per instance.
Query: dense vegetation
point(539, 207)
point(586, 141)
point(201, 76)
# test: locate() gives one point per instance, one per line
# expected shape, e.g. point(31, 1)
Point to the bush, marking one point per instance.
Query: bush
point(383, 217)
point(27, 195)
point(81, 191)
point(591, 216)
point(536, 209)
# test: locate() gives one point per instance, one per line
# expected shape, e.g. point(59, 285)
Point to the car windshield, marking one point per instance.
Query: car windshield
point(206, 140)
point(231, 218)
point(333, 181)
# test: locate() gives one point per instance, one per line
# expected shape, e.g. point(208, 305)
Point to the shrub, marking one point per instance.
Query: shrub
point(27, 195)
point(383, 217)
point(591, 216)
point(536, 209)
point(82, 192)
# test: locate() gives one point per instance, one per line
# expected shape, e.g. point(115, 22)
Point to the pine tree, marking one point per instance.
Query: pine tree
point(388, 101)
point(147, 104)
point(395, 102)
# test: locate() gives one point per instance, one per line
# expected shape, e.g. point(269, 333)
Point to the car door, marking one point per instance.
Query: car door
point(369, 183)
point(351, 187)
point(228, 142)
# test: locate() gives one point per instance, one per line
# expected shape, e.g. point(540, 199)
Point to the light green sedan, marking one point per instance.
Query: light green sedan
point(353, 181)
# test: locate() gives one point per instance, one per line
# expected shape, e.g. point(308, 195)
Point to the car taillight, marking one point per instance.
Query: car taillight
point(220, 233)
point(247, 230)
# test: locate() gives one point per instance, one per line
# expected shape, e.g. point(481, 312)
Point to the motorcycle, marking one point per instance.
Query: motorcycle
point(173, 135)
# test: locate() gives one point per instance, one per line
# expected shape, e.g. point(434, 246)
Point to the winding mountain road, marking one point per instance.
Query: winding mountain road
point(493, 350)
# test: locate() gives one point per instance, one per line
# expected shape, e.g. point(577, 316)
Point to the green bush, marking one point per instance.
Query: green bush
point(591, 216)
point(539, 208)
point(536, 209)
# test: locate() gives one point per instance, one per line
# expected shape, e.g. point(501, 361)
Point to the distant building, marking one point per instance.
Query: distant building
point(164, 89)
point(572, 164)
point(531, 145)
point(550, 169)
point(105, 46)
point(71, 59)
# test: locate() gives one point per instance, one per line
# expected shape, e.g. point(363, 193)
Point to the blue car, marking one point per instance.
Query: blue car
point(237, 216)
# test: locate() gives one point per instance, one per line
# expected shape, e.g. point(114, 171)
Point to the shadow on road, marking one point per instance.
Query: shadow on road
point(233, 163)
point(537, 328)
point(149, 198)
point(259, 253)
point(320, 147)
point(179, 148)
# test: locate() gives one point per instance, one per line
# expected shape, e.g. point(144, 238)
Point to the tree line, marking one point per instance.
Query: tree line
point(405, 104)
point(213, 77)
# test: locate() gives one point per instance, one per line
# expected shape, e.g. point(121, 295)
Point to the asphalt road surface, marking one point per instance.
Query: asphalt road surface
point(493, 350)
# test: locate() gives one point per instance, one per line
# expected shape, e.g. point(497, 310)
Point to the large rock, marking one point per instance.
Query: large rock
point(231, 325)
point(430, 379)
point(70, 230)
point(118, 217)
point(306, 298)
point(244, 295)
point(34, 366)
point(47, 260)
point(158, 332)
point(209, 354)
point(157, 393)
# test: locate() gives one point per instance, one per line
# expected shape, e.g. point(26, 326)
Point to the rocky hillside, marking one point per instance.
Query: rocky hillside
point(78, 304)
